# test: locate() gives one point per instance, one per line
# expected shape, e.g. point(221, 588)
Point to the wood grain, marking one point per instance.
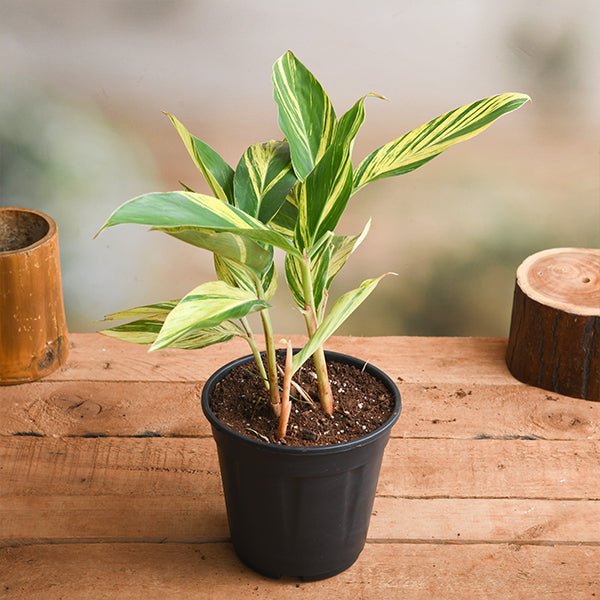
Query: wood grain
point(554, 340)
point(33, 329)
point(133, 571)
point(109, 482)
point(411, 468)
point(463, 361)
point(132, 408)
point(202, 519)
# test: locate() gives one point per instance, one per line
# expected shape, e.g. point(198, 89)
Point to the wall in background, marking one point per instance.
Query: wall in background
point(81, 131)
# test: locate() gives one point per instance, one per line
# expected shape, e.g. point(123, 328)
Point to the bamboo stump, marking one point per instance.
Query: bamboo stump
point(33, 331)
point(554, 340)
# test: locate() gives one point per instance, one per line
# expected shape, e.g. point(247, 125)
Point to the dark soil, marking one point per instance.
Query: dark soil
point(361, 404)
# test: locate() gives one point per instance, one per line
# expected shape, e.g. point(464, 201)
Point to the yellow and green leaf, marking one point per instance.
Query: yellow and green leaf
point(145, 331)
point(234, 247)
point(306, 114)
point(218, 174)
point(160, 309)
point(205, 307)
point(351, 121)
point(185, 210)
point(424, 143)
point(323, 196)
point(263, 178)
point(339, 312)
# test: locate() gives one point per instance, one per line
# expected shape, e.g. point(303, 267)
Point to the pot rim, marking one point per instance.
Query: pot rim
point(304, 450)
point(52, 228)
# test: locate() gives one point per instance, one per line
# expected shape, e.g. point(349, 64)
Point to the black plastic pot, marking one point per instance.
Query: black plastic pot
point(295, 511)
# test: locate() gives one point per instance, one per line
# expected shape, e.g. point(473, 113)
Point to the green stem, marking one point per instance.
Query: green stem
point(310, 316)
point(249, 337)
point(270, 351)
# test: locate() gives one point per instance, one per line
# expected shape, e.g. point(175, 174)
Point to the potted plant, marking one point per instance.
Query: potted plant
point(298, 496)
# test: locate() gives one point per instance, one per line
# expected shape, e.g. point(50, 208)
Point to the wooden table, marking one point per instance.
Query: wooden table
point(109, 483)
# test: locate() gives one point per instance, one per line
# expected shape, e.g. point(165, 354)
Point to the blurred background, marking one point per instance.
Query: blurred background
point(83, 85)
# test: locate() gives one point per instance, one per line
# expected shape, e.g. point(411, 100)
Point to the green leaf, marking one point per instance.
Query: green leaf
point(228, 245)
point(216, 171)
point(148, 310)
point(340, 311)
point(306, 115)
point(185, 210)
point(319, 268)
point(284, 221)
point(145, 331)
point(420, 145)
point(206, 306)
point(323, 196)
point(351, 121)
point(342, 247)
point(231, 273)
point(263, 178)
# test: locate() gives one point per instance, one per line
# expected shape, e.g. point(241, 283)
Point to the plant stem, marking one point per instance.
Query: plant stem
point(286, 405)
point(271, 362)
point(270, 351)
point(310, 316)
point(257, 357)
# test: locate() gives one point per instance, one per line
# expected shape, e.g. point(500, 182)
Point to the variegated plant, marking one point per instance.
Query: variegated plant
point(287, 194)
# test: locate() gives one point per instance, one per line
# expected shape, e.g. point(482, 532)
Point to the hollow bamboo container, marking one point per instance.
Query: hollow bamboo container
point(33, 330)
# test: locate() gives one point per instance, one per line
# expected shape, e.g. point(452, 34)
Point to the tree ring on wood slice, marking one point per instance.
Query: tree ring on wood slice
point(554, 340)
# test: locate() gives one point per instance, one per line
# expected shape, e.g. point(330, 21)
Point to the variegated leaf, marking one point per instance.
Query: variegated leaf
point(351, 121)
point(263, 178)
point(206, 306)
point(339, 312)
point(319, 270)
point(284, 221)
point(228, 245)
point(145, 331)
point(322, 197)
point(218, 174)
point(306, 115)
point(342, 247)
point(148, 310)
point(420, 145)
point(187, 210)
point(231, 273)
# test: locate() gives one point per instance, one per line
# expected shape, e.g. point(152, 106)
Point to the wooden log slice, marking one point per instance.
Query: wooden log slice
point(554, 340)
point(33, 331)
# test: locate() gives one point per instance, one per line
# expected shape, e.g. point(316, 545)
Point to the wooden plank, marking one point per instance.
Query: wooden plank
point(411, 468)
point(64, 408)
point(195, 519)
point(103, 407)
point(465, 361)
point(415, 571)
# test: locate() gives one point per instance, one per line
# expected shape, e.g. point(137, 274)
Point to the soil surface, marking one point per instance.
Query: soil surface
point(361, 404)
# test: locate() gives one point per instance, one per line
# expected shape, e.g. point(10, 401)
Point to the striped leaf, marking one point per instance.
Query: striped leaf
point(216, 171)
point(284, 221)
point(306, 115)
point(319, 272)
point(342, 247)
point(186, 210)
point(339, 312)
point(263, 178)
point(231, 273)
point(149, 311)
point(420, 145)
point(351, 121)
point(323, 196)
point(145, 331)
point(205, 307)
point(228, 245)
